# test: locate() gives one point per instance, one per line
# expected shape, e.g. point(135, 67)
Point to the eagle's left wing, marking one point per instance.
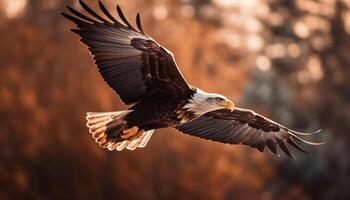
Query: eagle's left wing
point(242, 126)
point(133, 64)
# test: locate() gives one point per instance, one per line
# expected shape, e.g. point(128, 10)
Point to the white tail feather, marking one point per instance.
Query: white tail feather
point(122, 145)
point(132, 144)
point(97, 123)
point(144, 140)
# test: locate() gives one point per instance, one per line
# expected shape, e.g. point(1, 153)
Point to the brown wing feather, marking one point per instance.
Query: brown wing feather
point(242, 126)
point(131, 63)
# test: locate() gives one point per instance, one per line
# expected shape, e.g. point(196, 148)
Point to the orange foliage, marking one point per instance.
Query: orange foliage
point(48, 82)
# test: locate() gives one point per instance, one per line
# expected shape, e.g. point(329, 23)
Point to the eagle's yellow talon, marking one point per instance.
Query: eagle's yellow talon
point(137, 135)
point(129, 132)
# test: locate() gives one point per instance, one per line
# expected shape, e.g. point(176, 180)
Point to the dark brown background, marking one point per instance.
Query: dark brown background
point(288, 60)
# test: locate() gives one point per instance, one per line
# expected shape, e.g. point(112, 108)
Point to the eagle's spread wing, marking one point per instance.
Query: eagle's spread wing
point(245, 127)
point(131, 62)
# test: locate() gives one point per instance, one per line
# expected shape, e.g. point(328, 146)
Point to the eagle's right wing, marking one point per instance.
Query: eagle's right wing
point(131, 62)
point(242, 126)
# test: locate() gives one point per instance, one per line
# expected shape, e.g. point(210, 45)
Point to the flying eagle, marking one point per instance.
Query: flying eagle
point(145, 76)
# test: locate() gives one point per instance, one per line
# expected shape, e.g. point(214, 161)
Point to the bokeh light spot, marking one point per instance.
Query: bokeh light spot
point(263, 63)
point(255, 42)
point(13, 8)
point(301, 29)
point(160, 12)
point(314, 67)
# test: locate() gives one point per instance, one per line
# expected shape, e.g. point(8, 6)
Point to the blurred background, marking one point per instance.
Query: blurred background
point(286, 59)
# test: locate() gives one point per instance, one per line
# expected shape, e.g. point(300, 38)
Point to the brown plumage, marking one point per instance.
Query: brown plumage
point(242, 126)
point(145, 75)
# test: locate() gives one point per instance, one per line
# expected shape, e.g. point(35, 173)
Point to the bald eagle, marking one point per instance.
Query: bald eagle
point(146, 77)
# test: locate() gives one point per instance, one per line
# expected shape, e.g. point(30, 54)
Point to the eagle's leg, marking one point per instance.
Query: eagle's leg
point(137, 135)
point(129, 132)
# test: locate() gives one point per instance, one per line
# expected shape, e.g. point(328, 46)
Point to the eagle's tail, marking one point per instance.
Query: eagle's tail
point(109, 129)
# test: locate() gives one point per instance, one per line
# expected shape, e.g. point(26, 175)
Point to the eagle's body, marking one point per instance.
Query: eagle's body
point(145, 76)
point(157, 113)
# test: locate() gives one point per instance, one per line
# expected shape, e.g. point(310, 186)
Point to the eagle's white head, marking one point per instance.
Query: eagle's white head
point(203, 102)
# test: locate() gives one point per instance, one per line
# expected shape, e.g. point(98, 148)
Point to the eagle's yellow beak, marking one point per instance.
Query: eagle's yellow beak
point(227, 104)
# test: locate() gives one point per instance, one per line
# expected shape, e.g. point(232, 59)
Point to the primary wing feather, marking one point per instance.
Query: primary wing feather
point(131, 62)
point(242, 126)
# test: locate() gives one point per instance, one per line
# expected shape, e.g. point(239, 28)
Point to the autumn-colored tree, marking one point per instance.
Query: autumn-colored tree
point(287, 59)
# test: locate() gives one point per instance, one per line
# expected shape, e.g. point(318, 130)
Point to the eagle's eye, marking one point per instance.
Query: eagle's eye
point(219, 99)
point(215, 99)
